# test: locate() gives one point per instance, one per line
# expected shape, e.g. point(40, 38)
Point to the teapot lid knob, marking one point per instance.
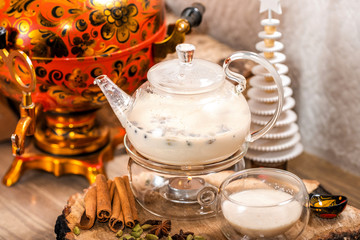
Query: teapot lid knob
point(186, 74)
point(185, 52)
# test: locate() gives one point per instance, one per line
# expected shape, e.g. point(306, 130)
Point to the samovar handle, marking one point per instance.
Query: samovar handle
point(190, 17)
point(26, 124)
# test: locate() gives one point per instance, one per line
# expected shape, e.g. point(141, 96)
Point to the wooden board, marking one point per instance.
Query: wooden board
point(346, 226)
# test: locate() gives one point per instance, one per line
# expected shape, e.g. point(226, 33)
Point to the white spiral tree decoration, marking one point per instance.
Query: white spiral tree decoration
point(282, 143)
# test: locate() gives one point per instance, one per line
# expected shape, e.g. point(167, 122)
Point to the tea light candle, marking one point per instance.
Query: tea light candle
point(185, 188)
point(257, 212)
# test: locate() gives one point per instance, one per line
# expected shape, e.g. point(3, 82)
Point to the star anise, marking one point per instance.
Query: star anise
point(181, 235)
point(161, 229)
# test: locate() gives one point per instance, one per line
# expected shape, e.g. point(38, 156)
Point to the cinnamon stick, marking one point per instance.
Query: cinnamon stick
point(102, 199)
point(125, 204)
point(116, 221)
point(109, 182)
point(88, 218)
point(111, 186)
point(131, 199)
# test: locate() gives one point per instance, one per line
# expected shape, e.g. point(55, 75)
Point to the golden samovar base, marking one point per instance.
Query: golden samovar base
point(88, 165)
point(71, 134)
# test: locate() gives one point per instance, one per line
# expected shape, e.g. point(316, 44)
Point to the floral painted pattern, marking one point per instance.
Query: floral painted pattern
point(71, 42)
point(17, 8)
point(117, 74)
point(83, 46)
point(47, 45)
point(117, 20)
point(77, 78)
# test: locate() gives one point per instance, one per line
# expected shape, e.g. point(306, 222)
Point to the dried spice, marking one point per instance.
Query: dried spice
point(182, 235)
point(136, 234)
point(127, 237)
point(190, 237)
point(199, 238)
point(152, 222)
point(146, 226)
point(61, 227)
point(119, 233)
point(178, 237)
point(76, 231)
point(161, 229)
point(151, 237)
point(137, 228)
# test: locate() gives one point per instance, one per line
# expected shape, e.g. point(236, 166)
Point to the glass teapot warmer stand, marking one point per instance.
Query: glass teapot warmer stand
point(175, 191)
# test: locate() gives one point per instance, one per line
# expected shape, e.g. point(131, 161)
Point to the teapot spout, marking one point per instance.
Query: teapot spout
point(119, 100)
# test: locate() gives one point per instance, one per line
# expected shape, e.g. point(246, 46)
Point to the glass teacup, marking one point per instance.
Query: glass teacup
point(263, 203)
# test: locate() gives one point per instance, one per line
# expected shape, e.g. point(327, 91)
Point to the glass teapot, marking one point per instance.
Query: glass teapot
point(187, 113)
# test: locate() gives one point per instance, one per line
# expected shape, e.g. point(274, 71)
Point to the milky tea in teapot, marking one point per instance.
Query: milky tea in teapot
point(188, 113)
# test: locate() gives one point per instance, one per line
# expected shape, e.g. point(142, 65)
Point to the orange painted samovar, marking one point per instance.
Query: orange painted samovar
point(69, 44)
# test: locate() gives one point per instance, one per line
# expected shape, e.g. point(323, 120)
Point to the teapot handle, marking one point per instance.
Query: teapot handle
point(242, 85)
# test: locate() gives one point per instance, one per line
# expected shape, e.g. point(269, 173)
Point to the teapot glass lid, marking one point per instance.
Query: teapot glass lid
point(186, 75)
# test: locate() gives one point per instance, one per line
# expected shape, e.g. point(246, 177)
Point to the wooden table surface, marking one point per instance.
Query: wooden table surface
point(29, 209)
